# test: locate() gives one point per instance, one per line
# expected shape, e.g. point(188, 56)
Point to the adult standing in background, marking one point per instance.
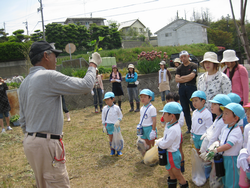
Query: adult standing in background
point(41, 115)
point(186, 75)
point(131, 78)
point(164, 81)
point(98, 91)
point(213, 81)
point(4, 105)
point(116, 79)
point(65, 109)
point(237, 74)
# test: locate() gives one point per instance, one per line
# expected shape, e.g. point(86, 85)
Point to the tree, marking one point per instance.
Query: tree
point(241, 30)
point(37, 36)
point(219, 37)
point(112, 38)
point(3, 36)
point(18, 36)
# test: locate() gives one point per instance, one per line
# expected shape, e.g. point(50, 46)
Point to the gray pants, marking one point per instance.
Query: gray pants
point(97, 96)
point(133, 93)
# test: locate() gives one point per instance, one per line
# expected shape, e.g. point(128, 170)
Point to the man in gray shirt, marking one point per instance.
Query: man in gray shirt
point(41, 115)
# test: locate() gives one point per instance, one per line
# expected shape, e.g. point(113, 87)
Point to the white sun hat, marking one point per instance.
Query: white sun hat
point(211, 57)
point(229, 56)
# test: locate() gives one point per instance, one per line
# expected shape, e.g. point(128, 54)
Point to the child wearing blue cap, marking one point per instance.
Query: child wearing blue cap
point(111, 117)
point(213, 132)
point(148, 118)
point(236, 99)
point(201, 119)
point(170, 97)
point(171, 143)
point(230, 143)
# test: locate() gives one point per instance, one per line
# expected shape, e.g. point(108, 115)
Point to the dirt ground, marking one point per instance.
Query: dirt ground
point(87, 152)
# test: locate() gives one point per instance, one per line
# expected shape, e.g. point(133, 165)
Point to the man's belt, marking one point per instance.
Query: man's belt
point(41, 135)
point(187, 84)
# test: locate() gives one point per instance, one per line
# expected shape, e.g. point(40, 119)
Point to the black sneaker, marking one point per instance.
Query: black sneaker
point(188, 131)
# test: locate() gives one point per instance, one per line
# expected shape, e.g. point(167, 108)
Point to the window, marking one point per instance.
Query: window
point(141, 30)
point(168, 34)
point(86, 23)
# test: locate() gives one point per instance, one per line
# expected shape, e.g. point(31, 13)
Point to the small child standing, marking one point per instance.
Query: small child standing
point(111, 117)
point(148, 118)
point(201, 120)
point(170, 97)
point(171, 142)
point(230, 143)
point(236, 99)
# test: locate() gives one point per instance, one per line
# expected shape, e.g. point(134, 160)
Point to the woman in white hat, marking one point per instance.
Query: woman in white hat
point(237, 74)
point(164, 81)
point(131, 78)
point(213, 81)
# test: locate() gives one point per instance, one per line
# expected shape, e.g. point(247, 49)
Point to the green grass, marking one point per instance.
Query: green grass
point(87, 151)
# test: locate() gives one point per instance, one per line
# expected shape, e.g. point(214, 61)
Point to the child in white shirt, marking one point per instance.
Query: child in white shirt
point(171, 142)
point(111, 117)
point(201, 119)
point(148, 118)
point(230, 143)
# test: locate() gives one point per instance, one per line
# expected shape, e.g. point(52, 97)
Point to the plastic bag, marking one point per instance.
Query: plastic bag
point(204, 145)
point(198, 171)
point(117, 142)
point(151, 156)
point(141, 145)
point(214, 182)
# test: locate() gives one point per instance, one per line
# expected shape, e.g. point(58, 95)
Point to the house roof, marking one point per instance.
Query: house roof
point(129, 24)
point(83, 19)
point(176, 28)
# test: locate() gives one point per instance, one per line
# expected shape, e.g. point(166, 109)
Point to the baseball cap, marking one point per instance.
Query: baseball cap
point(184, 52)
point(221, 99)
point(234, 97)
point(149, 93)
point(42, 46)
point(172, 108)
point(200, 94)
point(109, 95)
point(236, 108)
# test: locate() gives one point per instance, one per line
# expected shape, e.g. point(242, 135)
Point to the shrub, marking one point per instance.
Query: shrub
point(149, 62)
point(80, 73)
point(14, 118)
point(13, 85)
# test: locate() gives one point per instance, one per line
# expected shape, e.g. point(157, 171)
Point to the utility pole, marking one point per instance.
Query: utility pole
point(26, 24)
point(4, 27)
point(41, 9)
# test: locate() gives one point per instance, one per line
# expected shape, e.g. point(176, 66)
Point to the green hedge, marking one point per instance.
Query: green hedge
point(10, 51)
point(131, 54)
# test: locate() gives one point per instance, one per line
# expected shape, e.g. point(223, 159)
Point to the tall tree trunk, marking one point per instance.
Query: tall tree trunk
point(242, 33)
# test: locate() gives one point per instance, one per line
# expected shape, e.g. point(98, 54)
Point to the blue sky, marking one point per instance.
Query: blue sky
point(154, 14)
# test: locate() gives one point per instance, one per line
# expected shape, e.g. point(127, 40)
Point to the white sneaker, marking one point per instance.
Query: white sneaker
point(3, 130)
point(9, 128)
point(68, 119)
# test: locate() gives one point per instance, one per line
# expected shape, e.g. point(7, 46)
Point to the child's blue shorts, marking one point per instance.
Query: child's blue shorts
point(110, 128)
point(174, 160)
point(197, 141)
point(146, 132)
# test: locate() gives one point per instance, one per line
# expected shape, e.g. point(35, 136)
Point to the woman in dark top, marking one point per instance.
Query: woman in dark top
point(115, 79)
point(4, 105)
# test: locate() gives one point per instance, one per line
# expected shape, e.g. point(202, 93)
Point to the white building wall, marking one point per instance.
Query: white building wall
point(179, 34)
